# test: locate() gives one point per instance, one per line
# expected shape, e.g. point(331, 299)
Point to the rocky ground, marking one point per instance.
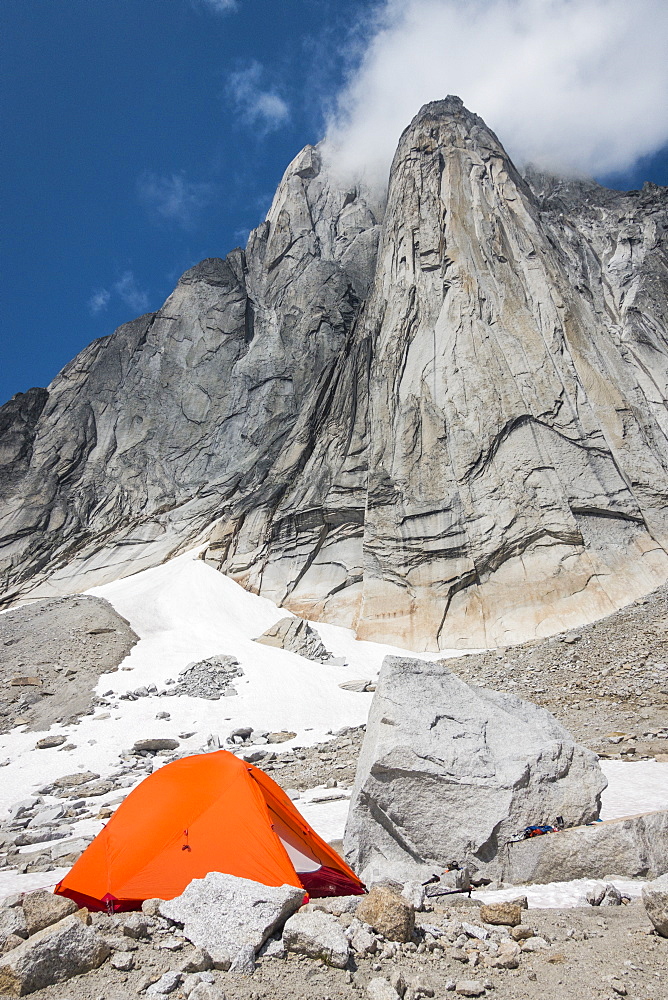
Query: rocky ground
point(52, 654)
point(607, 682)
point(576, 954)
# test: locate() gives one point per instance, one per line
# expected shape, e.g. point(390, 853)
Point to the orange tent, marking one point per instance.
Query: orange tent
point(212, 812)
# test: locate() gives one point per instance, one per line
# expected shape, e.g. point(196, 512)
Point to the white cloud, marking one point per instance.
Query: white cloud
point(220, 6)
point(263, 109)
point(99, 301)
point(133, 296)
point(174, 198)
point(573, 85)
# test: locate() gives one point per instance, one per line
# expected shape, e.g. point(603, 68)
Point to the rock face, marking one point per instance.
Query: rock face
point(449, 772)
point(199, 413)
point(439, 420)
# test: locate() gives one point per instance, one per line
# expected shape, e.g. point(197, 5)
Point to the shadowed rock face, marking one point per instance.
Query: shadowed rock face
point(203, 408)
point(457, 437)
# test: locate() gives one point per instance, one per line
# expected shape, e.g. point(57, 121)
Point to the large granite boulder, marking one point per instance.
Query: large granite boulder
point(450, 772)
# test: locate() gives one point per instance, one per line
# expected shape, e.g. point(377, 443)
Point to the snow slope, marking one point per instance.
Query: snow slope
point(182, 611)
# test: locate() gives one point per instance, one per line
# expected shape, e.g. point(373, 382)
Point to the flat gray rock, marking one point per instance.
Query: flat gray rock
point(633, 847)
point(224, 915)
point(317, 935)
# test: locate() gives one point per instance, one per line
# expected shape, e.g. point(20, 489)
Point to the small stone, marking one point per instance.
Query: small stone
point(282, 737)
point(612, 897)
point(9, 942)
point(521, 933)
point(380, 989)
point(166, 984)
point(151, 907)
point(123, 961)
point(595, 895)
point(134, 925)
point(273, 948)
point(363, 941)
point(78, 778)
point(472, 930)
point(507, 957)
point(317, 935)
point(414, 893)
point(153, 745)
point(206, 991)
point(50, 741)
point(469, 988)
point(170, 944)
point(535, 944)
point(508, 914)
point(397, 981)
point(198, 961)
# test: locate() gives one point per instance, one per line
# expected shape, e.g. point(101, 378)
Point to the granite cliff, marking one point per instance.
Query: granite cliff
point(439, 419)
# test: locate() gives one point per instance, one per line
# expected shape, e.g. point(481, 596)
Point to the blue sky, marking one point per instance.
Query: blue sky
point(140, 136)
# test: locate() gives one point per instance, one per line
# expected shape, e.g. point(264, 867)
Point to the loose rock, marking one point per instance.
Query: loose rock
point(388, 913)
point(42, 909)
point(380, 989)
point(317, 935)
point(655, 900)
point(509, 914)
point(222, 913)
point(53, 955)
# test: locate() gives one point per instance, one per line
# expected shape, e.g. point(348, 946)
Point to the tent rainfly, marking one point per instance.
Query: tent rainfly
point(212, 812)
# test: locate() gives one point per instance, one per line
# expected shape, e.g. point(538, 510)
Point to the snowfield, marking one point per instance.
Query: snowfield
point(185, 611)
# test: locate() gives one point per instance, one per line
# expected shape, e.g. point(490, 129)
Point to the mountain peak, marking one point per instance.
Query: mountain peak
point(440, 422)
